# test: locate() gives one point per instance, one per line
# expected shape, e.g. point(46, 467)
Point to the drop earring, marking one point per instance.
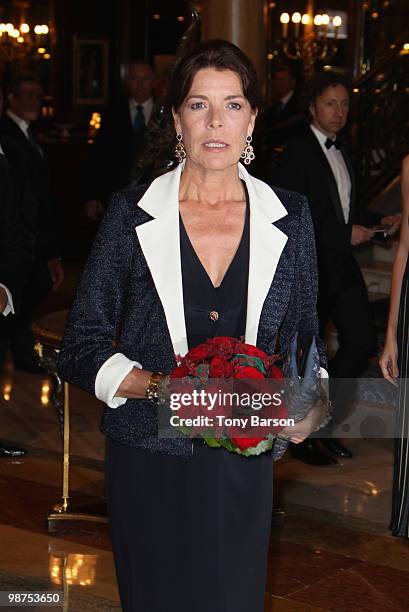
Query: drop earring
point(180, 151)
point(247, 154)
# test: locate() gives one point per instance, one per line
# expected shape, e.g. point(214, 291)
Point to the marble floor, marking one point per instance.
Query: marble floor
point(333, 553)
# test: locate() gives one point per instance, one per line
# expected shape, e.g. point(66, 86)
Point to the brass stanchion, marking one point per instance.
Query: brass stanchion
point(47, 348)
point(66, 451)
point(65, 512)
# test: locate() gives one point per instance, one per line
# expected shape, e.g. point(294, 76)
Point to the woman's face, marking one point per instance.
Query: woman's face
point(215, 119)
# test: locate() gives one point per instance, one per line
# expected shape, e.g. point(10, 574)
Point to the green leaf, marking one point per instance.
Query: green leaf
point(212, 442)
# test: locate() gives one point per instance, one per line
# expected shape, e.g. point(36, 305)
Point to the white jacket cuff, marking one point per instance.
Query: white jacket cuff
point(109, 377)
point(9, 306)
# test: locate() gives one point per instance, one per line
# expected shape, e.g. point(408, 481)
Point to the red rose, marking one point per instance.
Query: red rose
point(220, 368)
point(252, 351)
point(244, 443)
point(274, 372)
point(198, 354)
point(188, 412)
point(247, 372)
point(181, 371)
point(224, 346)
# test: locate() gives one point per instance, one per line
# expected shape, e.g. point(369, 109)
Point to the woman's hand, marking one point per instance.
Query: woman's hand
point(393, 221)
point(388, 361)
point(134, 384)
point(300, 431)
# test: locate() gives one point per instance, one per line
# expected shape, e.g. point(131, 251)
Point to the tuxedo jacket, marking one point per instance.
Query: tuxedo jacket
point(304, 168)
point(15, 253)
point(32, 182)
point(129, 304)
point(112, 155)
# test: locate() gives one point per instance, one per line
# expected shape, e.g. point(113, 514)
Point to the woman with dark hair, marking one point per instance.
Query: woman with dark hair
point(206, 250)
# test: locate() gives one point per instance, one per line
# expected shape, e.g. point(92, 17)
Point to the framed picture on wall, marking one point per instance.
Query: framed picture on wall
point(90, 72)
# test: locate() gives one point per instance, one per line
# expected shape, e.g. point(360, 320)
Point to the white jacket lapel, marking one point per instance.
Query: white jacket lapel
point(266, 245)
point(160, 243)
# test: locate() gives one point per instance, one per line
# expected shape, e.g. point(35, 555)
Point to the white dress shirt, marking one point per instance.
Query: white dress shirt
point(285, 100)
point(339, 170)
point(147, 107)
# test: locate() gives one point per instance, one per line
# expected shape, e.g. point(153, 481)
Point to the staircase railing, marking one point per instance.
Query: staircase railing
point(380, 121)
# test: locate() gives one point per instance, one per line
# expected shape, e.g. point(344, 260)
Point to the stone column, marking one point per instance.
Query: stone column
point(242, 22)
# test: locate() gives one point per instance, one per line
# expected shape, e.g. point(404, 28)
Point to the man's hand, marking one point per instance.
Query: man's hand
point(94, 209)
point(3, 299)
point(360, 234)
point(393, 221)
point(57, 273)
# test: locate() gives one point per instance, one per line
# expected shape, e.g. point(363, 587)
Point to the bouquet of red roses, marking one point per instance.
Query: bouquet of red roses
point(235, 363)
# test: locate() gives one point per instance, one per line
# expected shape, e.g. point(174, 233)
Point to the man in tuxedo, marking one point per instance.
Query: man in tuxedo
point(120, 139)
point(30, 177)
point(15, 257)
point(316, 163)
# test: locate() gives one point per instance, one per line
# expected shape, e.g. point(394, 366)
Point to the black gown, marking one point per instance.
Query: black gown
point(191, 535)
point(400, 490)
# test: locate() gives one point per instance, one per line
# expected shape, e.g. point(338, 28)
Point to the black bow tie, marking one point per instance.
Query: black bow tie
point(332, 143)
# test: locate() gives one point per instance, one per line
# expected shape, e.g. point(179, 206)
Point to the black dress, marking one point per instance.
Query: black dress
point(400, 491)
point(191, 535)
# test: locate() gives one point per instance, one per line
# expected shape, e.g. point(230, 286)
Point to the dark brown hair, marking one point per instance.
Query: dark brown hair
point(221, 55)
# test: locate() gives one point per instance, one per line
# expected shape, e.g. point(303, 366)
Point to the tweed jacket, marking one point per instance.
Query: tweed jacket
point(129, 302)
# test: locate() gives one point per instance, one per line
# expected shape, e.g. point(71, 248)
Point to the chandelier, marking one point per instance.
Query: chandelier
point(376, 8)
point(20, 39)
point(309, 38)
